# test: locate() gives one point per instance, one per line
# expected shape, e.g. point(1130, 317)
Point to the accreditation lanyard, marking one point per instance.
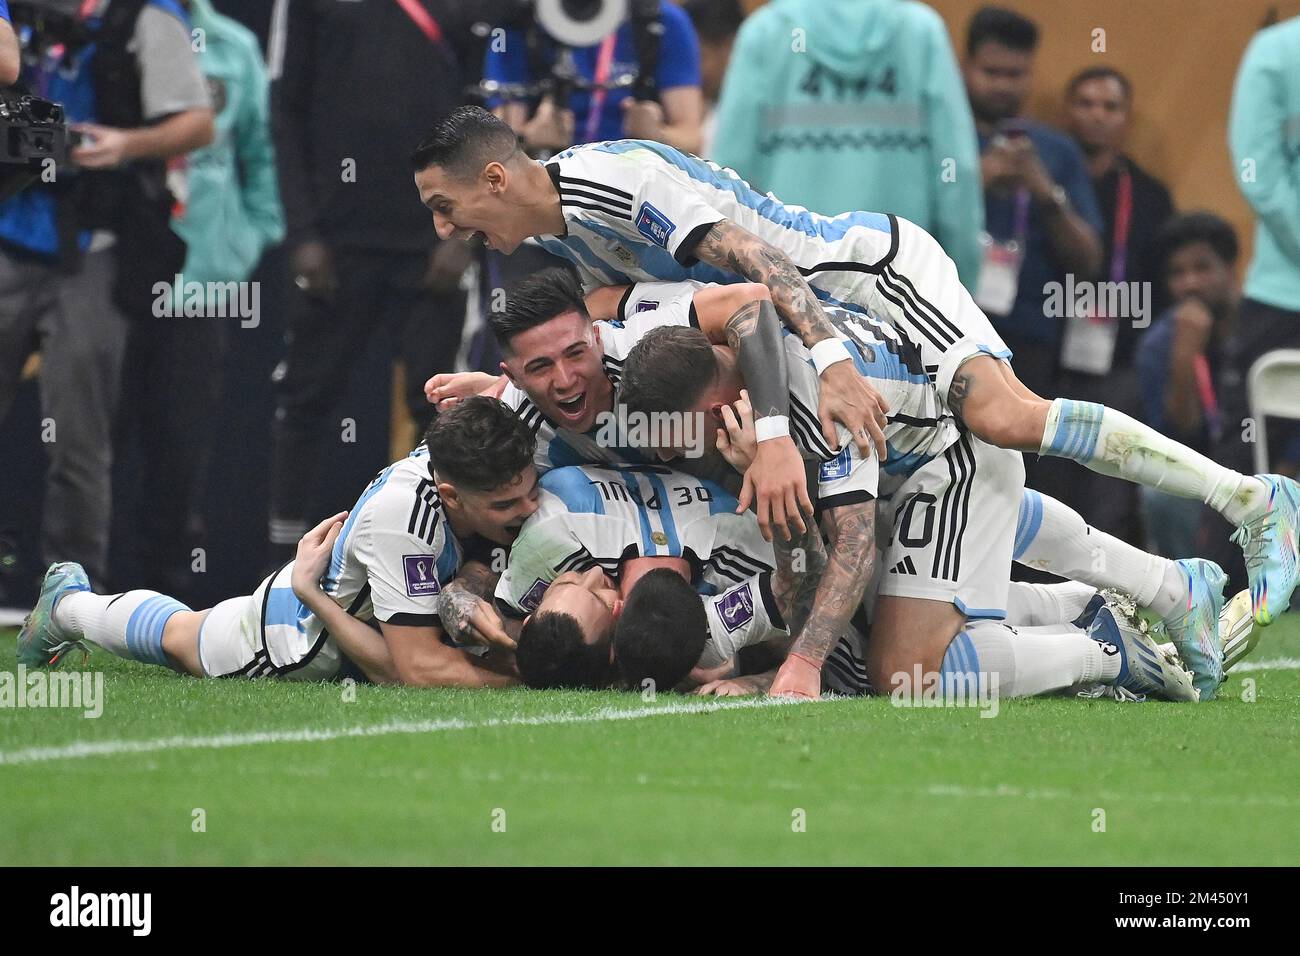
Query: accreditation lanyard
point(1020, 221)
point(1123, 220)
point(604, 66)
point(1209, 399)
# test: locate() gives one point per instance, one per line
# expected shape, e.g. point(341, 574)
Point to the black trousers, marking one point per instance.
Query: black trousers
point(379, 293)
point(171, 390)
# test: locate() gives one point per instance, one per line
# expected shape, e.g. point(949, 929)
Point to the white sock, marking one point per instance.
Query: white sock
point(129, 625)
point(1029, 660)
point(1032, 605)
point(1112, 443)
point(1053, 537)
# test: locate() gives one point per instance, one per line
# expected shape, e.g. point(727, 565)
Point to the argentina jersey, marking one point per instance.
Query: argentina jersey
point(591, 516)
point(389, 564)
point(635, 210)
point(918, 427)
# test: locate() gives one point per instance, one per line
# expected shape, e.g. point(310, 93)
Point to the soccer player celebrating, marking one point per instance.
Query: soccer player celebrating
point(386, 561)
point(955, 503)
point(561, 374)
point(633, 210)
point(648, 574)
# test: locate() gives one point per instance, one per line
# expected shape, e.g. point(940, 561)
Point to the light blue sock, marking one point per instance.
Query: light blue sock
point(960, 669)
point(129, 625)
point(1072, 430)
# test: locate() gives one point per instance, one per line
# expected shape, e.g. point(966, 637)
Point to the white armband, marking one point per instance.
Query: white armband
point(827, 352)
point(773, 426)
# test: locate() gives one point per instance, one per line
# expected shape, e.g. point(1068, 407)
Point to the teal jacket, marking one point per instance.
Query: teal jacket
point(232, 208)
point(843, 105)
point(1264, 133)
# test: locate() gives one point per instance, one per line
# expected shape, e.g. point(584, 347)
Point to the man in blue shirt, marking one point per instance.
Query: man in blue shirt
point(1040, 211)
point(1187, 361)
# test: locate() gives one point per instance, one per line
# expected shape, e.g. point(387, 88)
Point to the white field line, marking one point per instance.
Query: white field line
point(1277, 664)
point(113, 748)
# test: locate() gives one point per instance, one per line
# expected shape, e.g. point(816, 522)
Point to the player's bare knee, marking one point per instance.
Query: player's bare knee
point(180, 641)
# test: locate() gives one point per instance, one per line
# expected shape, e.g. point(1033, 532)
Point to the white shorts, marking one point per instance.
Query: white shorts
point(234, 641)
point(952, 529)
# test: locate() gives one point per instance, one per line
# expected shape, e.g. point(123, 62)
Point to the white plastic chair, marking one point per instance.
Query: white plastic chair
point(1272, 388)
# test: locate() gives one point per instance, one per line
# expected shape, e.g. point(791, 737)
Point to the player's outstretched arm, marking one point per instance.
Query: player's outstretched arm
point(777, 478)
point(846, 397)
point(851, 536)
point(447, 388)
point(358, 641)
point(422, 660)
point(602, 302)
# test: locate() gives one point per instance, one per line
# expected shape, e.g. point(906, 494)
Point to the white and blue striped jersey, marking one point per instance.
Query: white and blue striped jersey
point(558, 447)
point(918, 429)
point(591, 516)
point(390, 562)
point(635, 210)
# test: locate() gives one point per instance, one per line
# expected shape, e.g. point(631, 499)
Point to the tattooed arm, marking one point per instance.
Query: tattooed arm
point(466, 611)
point(846, 397)
point(851, 530)
point(800, 564)
point(776, 481)
point(730, 247)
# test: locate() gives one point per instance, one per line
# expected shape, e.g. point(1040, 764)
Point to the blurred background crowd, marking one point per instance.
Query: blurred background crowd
point(1118, 184)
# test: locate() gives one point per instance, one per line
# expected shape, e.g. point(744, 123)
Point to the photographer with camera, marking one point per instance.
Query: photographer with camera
point(80, 250)
point(581, 71)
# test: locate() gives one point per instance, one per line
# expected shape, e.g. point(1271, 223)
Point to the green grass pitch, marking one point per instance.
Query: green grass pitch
point(402, 776)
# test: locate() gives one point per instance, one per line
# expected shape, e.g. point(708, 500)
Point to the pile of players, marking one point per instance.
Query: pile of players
point(748, 449)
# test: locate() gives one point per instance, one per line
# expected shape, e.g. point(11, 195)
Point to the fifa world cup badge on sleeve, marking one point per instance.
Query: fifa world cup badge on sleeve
point(736, 607)
point(533, 596)
point(421, 578)
point(654, 225)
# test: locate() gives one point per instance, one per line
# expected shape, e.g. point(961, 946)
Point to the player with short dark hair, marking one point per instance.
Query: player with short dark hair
point(662, 631)
point(385, 563)
point(554, 652)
